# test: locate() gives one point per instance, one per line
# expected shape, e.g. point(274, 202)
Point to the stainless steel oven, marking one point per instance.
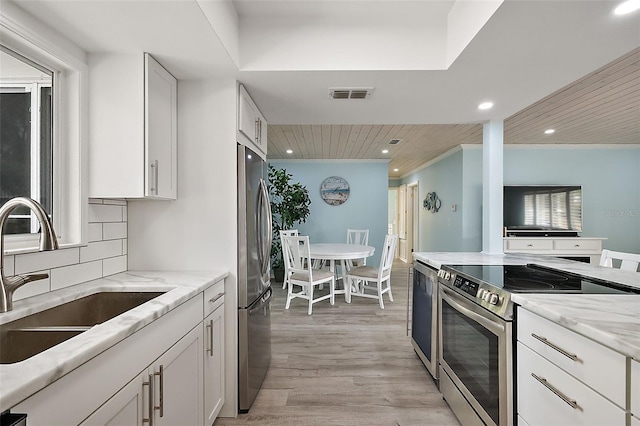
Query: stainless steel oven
point(476, 328)
point(424, 316)
point(476, 376)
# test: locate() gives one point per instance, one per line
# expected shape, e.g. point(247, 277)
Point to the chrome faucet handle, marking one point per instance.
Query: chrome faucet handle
point(48, 241)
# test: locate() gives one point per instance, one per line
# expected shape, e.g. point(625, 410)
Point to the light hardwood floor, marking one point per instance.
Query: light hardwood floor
point(347, 364)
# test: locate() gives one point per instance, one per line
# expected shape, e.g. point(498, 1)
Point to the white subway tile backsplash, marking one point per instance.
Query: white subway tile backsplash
point(33, 288)
point(106, 253)
point(95, 232)
point(29, 262)
point(105, 213)
point(100, 250)
point(75, 274)
point(113, 231)
point(114, 265)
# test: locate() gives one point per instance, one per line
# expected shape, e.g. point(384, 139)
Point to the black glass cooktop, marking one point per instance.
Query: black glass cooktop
point(538, 279)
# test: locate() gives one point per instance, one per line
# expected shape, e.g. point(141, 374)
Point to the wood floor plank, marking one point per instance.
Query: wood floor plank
point(347, 364)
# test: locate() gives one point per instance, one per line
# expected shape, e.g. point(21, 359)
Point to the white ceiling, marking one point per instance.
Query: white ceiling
point(289, 53)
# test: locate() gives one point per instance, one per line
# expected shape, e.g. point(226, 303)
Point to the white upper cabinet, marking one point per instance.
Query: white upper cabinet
point(132, 127)
point(252, 127)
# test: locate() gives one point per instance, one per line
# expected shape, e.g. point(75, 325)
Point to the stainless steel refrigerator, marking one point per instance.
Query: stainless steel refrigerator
point(254, 285)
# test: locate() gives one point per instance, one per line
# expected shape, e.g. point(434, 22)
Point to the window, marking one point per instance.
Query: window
point(53, 100)
point(26, 137)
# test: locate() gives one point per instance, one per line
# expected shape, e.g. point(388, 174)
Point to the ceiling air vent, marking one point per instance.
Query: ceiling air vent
point(394, 141)
point(350, 93)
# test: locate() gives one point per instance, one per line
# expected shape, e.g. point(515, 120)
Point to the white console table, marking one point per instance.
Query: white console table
point(568, 247)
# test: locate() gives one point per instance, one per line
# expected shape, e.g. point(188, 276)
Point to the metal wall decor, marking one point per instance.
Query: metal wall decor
point(431, 202)
point(334, 190)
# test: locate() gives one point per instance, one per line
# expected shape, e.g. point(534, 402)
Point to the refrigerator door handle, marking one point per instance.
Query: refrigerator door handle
point(259, 303)
point(264, 235)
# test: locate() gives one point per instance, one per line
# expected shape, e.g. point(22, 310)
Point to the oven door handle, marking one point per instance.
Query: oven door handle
point(460, 304)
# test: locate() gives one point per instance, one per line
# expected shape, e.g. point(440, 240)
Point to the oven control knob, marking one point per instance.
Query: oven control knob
point(440, 273)
point(487, 296)
point(494, 299)
point(480, 293)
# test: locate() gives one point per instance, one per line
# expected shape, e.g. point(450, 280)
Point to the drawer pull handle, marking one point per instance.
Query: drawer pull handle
point(544, 340)
point(216, 297)
point(577, 245)
point(529, 245)
point(571, 402)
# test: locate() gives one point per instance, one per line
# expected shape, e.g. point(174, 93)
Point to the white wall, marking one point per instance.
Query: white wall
point(198, 231)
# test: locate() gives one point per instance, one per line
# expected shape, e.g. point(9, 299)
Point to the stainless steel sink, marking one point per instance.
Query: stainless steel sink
point(28, 336)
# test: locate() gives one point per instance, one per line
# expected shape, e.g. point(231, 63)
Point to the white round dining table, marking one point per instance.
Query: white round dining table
point(340, 252)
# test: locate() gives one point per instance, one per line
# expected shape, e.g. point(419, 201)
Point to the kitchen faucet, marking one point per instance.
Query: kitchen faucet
point(48, 241)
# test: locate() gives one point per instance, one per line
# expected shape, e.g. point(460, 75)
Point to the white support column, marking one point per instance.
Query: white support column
point(492, 156)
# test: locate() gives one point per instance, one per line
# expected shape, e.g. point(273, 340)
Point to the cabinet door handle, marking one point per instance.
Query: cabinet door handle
point(160, 407)
point(154, 173)
point(150, 404)
point(210, 329)
point(544, 340)
point(257, 133)
point(529, 245)
point(571, 402)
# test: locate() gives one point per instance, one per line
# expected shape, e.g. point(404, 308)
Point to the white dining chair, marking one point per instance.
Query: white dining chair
point(296, 255)
point(369, 274)
point(628, 261)
point(361, 237)
point(287, 233)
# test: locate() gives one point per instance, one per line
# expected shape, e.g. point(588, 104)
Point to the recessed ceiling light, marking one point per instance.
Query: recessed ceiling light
point(395, 170)
point(289, 151)
point(385, 151)
point(485, 105)
point(549, 131)
point(627, 7)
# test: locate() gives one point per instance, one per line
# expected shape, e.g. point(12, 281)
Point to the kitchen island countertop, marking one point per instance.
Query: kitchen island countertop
point(22, 379)
point(610, 319)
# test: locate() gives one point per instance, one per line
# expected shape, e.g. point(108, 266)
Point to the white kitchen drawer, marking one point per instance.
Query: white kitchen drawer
point(213, 297)
point(530, 244)
point(541, 404)
point(635, 421)
point(577, 244)
point(521, 422)
point(635, 388)
point(596, 365)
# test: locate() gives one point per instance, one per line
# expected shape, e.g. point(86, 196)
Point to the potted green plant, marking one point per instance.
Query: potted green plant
point(289, 206)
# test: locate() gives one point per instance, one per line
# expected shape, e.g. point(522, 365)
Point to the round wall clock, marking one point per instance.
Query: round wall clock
point(334, 190)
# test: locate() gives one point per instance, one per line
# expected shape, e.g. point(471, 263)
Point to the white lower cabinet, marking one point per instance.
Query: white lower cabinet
point(127, 407)
point(549, 396)
point(635, 392)
point(214, 383)
point(177, 366)
point(168, 391)
point(564, 378)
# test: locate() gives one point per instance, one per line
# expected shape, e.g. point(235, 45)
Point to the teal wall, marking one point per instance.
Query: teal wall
point(454, 185)
point(610, 178)
point(366, 207)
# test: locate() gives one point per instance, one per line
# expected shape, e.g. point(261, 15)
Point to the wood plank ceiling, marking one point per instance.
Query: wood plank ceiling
point(601, 108)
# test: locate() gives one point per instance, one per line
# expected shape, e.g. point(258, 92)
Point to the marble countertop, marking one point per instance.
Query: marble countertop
point(21, 379)
point(437, 259)
point(612, 320)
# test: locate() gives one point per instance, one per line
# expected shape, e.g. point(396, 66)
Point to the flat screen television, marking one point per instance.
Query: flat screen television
point(542, 210)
